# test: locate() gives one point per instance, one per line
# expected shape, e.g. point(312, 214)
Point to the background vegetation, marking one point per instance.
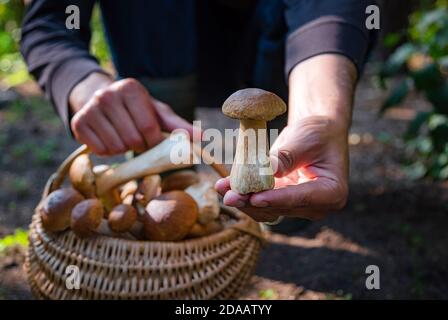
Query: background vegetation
point(12, 68)
point(421, 63)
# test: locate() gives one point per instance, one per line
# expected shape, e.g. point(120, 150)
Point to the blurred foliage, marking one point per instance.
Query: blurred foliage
point(13, 70)
point(422, 65)
point(12, 67)
point(98, 44)
point(19, 238)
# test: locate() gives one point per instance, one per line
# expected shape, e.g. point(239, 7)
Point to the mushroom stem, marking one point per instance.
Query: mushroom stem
point(251, 170)
point(153, 161)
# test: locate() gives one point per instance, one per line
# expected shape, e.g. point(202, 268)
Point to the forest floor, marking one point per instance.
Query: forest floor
point(390, 221)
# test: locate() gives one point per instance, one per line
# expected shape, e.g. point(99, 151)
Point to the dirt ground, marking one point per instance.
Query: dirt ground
point(390, 221)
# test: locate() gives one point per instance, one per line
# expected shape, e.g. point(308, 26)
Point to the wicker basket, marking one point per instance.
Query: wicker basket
point(213, 267)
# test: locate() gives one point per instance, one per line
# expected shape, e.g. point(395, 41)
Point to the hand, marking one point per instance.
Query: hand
point(311, 178)
point(112, 117)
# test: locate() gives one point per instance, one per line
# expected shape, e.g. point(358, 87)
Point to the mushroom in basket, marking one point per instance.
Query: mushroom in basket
point(83, 178)
point(87, 219)
point(170, 216)
point(56, 209)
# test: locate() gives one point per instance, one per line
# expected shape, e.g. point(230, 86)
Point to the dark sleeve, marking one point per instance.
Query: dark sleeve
point(56, 56)
point(327, 26)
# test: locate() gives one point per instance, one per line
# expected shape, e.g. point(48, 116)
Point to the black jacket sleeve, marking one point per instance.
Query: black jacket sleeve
point(327, 26)
point(57, 57)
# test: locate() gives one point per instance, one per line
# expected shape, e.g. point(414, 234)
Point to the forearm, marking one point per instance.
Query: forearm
point(323, 86)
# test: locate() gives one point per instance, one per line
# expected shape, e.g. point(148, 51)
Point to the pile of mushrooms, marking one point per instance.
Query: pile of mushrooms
point(132, 200)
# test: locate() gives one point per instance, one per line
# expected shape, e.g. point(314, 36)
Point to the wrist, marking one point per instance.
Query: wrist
point(85, 89)
point(323, 86)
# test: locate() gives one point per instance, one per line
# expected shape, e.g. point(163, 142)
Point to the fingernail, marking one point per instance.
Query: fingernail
point(239, 204)
point(260, 204)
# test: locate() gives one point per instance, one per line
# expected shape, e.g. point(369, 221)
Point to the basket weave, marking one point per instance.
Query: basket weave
point(212, 267)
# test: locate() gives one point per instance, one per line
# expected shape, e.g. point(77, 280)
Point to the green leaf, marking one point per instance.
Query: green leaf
point(415, 125)
point(427, 77)
point(392, 39)
point(269, 294)
point(20, 238)
point(397, 60)
point(438, 97)
point(396, 96)
point(415, 171)
point(443, 174)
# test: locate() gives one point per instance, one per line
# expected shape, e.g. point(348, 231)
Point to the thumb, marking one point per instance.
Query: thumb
point(294, 148)
point(169, 120)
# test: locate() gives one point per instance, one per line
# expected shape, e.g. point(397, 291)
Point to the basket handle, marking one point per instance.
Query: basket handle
point(249, 226)
point(57, 178)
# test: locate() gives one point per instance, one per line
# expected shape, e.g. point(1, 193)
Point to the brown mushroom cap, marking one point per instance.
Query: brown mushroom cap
point(201, 230)
point(122, 218)
point(56, 209)
point(253, 104)
point(86, 217)
point(170, 216)
point(179, 180)
point(82, 176)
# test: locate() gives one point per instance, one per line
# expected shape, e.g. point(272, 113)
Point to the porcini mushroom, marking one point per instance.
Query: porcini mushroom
point(170, 216)
point(179, 180)
point(156, 160)
point(207, 199)
point(87, 219)
point(83, 177)
point(148, 189)
point(128, 191)
point(202, 230)
point(251, 170)
point(122, 218)
point(56, 209)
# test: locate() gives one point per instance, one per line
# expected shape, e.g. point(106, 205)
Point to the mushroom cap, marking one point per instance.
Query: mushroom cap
point(82, 176)
point(201, 230)
point(86, 217)
point(56, 209)
point(170, 216)
point(122, 218)
point(179, 180)
point(253, 104)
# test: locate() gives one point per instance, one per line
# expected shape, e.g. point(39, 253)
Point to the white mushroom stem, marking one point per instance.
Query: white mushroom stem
point(251, 170)
point(149, 188)
point(207, 199)
point(165, 156)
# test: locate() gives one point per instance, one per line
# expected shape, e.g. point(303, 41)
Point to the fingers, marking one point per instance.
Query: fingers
point(121, 120)
point(301, 144)
point(310, 200)
point(317, 194)
point(222, 186)
point(91, 127)
point(169, 120)
point(230, 198)
point(141, 109)
point(233, 199)
point(86, 135)
point(121, 116)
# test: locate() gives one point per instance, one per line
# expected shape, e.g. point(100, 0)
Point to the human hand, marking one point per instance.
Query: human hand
point(311, 156)
point(112, 117)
